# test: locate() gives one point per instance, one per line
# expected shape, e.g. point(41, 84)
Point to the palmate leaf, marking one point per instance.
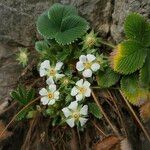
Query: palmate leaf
point(132, 90)
point(62, 24)
point(128, 57)
point(137, 28)
point(107, 78)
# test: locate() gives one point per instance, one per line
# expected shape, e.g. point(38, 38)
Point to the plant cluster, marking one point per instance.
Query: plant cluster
point(72, 65)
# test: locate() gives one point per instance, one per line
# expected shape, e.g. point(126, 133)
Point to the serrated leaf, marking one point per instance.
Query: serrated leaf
point(94, 109)
point(137, 28)
point(41, 46)
point(107, 78)
point(128, 57)
point(144, 76)
point(61, 23)
point(30, 95)
point(22, 114)
point(132, 90)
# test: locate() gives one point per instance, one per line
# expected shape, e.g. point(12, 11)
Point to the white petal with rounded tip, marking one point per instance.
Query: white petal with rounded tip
point(74, 91)
point(70, 122)
point(50, 81)
point(58, 65)
point(82, 121)
point(52, 87)
point(43, 72)
point(95, 66)
point(58, 76)
point(87, 73)
point(56, 95)
point(86, 84)
point(88, 92)
point(44, 100)
point(79, 83)
point(43, 92)
point(79, 97)
point(45, 64)
point(79, 66)
point(82, 58)
point(73, 105)
point(66, 112)
point(84, 110)
point(51, 102)
point(90, 57)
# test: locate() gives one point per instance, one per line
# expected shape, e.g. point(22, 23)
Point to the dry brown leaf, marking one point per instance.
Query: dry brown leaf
point(125, 145)
point(109, 143)
point(145, 111)
point(6, 134)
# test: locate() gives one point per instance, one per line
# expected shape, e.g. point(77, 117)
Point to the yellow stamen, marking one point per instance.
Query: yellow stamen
point(52, 72)
point(87, 65)
point(50, 95)
point(76, 115)
point(82, 90)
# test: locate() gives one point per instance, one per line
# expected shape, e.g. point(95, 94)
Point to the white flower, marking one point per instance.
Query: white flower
point(49, 96)
point(75, 114)
point(87, 64)
point(81, 90)
point(49, 71)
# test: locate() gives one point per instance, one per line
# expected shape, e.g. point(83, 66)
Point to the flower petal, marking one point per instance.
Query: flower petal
point(45, 64)
point(58, 76)
point(87, 73)
point(58, 65)
point(88, 92)
point(52, 87)
point(66, 112)
point(43, 92)
point(95, 66)
point(82, 121)
point(43, 72)
point(51, 102)
point(79, 97)
point(90, 57)
point(56, 95)
point(70, 122)
point(50, 81)
point(74, 91)
point(86, 84)
point(84, 110)
point(79, 83)
point(82, 58)
point(80, 66)
point(73, 105)
point(44, 100)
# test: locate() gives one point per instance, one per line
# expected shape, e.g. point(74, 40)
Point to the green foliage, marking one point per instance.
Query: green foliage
point(132, 90)
point(94, 110)
point(23, 95)
point(144, 76)
point(62, 24)
point(107, 78)
point(41, 46)
point(137, 28)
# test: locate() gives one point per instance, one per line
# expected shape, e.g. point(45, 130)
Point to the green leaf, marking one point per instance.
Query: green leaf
point(107, 78)
point(41, 46)
point(61, 23)
point(145, 74)
point(128, 57)
point(30, 95)
point(31, 114)
point(137, 28)
point(132, 90)
point(94, 109)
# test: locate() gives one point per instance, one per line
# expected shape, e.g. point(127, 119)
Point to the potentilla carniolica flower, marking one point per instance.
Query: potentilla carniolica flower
point(87, 64)
point(50, 95)
point(81, 90)
point(75, 114)
point(50, 71)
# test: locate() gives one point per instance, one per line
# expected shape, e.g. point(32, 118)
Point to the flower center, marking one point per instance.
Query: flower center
point(82, 90)
point(52, 72)
point(50, 95)
point(87, 65)
point(76, 115)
